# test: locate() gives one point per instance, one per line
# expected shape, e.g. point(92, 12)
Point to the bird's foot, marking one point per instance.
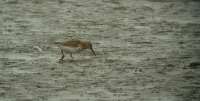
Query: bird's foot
point(71, 60)
point(61, 61)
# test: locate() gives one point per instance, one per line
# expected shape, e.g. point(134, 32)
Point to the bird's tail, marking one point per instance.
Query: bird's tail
point(58, 43)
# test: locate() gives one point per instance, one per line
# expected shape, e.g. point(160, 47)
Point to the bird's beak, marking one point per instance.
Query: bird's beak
point(93, 51)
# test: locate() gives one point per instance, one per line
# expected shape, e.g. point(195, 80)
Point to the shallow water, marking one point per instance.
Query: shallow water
point(147, 50)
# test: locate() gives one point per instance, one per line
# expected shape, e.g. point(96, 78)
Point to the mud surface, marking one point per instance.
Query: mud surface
point(147, 50)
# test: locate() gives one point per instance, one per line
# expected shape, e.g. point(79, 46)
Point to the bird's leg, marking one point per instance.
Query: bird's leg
point(71, 56)
point(62, 57)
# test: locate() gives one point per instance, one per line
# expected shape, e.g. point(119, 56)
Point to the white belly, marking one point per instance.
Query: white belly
point(71, 49)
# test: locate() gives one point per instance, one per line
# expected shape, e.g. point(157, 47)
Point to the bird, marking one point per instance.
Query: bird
point(73, 46)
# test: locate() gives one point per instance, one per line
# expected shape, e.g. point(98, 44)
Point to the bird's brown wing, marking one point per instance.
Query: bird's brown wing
point(72, 43)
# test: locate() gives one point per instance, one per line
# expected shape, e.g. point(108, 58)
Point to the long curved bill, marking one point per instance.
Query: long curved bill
point(93, 51)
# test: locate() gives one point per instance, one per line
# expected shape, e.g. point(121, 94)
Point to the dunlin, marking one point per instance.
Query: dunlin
point(73, 46)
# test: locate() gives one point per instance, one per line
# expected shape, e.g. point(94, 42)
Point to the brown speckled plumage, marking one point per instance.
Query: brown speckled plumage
point(74, 46)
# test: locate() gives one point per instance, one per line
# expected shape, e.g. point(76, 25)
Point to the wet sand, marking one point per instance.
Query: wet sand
point(147, 50)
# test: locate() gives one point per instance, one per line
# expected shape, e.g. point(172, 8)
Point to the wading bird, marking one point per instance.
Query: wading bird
point(73, 46)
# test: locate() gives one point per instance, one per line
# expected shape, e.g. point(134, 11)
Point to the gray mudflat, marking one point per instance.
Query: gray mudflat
point(147, 50)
